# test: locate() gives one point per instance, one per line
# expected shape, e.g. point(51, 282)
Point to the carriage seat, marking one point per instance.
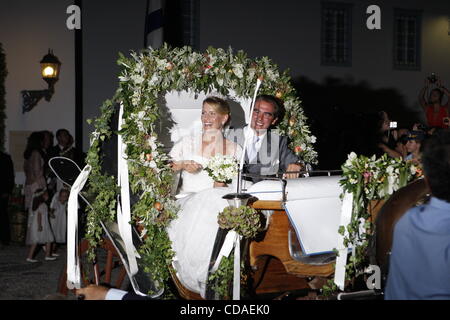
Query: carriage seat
point(313, 207)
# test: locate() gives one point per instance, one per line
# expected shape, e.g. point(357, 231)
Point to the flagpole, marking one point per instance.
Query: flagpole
point(146, 25)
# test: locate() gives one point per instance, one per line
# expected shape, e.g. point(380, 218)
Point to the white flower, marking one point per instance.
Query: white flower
point(153, 80)
point(238, 70)
point(161, 64)
point(352, 156)
point(153, 164)
point(390, 170)
point(312, 139)
point(137, 79)
point(222, 168)
point(271, 75)
point(152, 142)
point(124, 78)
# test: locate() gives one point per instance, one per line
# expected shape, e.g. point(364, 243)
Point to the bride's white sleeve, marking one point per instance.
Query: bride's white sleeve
point(176, 153)
point(185, 148)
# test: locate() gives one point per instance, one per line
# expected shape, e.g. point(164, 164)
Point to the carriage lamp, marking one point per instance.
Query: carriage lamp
point(50, 68)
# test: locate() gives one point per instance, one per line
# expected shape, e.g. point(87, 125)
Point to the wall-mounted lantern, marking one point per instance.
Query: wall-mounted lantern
point(50, 68)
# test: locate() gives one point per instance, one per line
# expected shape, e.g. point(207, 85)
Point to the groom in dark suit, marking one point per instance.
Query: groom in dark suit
point(267, 153)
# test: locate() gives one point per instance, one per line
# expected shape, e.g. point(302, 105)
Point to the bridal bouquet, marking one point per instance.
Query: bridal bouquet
point(222, 168)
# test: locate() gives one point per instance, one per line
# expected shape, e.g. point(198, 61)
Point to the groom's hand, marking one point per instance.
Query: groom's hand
point(191, 166)
point(294, 167)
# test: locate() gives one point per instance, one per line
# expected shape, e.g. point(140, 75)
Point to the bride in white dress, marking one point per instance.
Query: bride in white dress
point(194, 231)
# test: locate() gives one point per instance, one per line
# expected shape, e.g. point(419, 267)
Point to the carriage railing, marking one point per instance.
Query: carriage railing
point(272, 178)
point(280, 177)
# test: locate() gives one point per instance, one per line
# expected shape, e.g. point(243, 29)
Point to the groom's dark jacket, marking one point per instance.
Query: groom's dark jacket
point(273, 157)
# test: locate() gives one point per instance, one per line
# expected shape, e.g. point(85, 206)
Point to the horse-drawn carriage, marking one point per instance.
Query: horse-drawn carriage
point(295, 249)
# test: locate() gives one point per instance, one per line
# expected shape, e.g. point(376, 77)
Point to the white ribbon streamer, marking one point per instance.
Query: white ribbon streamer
point(341, 260)
point(225, 251)
point(232, 240)
point(123, 206)
point(237, 269)
point(249, 122)
point(73, 259)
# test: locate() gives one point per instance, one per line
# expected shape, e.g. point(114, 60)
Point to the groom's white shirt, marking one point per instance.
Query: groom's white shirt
point(254, 142)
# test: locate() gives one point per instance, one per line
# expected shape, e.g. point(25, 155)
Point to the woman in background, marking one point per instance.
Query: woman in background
point(34, 166)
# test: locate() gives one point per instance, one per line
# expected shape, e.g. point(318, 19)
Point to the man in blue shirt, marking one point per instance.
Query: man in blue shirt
point(420, 262)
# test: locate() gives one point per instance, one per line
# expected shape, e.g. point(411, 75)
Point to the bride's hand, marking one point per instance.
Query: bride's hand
point(219, 184)
point(191, 166)
point(176, 165)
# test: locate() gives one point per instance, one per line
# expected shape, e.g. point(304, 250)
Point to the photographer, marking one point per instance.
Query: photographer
point(436, 113)
point(387, 142)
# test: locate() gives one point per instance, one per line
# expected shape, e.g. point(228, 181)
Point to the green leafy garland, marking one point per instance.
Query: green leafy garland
point(3, 74)
point(143, 79)
point(368, 179)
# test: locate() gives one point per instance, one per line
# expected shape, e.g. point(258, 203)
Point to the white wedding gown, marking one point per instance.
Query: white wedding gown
point(194, 231)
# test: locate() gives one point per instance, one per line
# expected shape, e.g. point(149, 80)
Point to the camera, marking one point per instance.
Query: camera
point(432, 78)
point(393, 124)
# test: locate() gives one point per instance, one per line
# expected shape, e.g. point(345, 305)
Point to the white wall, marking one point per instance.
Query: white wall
point(27, 30)
point(289, 32)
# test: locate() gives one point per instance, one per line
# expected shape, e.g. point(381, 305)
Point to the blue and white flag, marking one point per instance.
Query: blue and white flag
point(154, 22)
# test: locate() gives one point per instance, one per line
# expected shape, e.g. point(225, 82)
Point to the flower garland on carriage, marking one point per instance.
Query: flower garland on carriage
point(143, 79)
point(152, 73)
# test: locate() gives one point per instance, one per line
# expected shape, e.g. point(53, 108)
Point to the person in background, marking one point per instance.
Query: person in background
point(47, 145)
point(65, 148)
point(6, 187)
point(39, 230)
point(33, 167)
point(420, 261)
point(386, 141)
point(47, 142)
point(401, 140)
point(436, 112)
point(413, 145)
point(58, 217)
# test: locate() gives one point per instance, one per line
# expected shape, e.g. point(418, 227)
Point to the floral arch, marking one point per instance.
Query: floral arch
point(143, 79)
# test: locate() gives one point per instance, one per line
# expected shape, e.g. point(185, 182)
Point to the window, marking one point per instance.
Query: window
point(407, 27)
point(336, 39)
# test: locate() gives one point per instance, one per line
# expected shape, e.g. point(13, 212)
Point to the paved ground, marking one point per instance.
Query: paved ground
point(21, 280)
